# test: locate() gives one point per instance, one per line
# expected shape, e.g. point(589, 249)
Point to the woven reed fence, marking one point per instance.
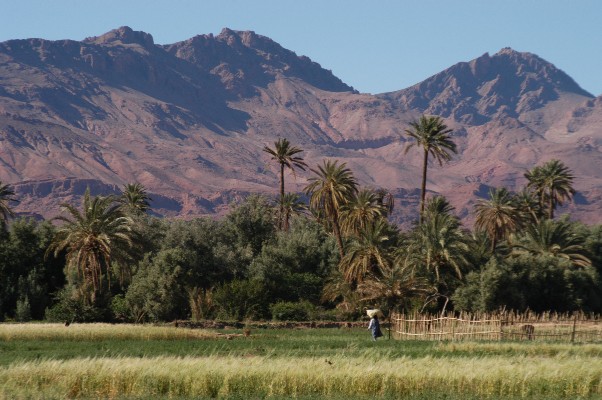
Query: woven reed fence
point(498, 326)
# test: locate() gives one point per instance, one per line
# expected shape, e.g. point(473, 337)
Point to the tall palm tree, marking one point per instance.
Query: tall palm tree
point(360, 211)
point(368, 254)
point(285, 155)
point(332, 187)
point(556, 239)
point(433, 136)
point(93, 239)
point(6, 197)
point(291, 205)
point(135, 198)
point(553, 183)
point(498, 217)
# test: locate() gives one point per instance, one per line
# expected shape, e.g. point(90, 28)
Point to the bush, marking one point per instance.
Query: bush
point(241, 299)
point(120, 309)
point(290, 311)
point(69, 308)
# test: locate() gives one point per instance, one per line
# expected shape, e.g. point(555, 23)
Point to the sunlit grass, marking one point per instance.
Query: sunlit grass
point(255, 376)
point(97, 332)
point(144, 361)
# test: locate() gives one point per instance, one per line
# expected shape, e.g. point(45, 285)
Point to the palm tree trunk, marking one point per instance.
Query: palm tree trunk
point(281, 217)
point(551, 207)
point(423, 187)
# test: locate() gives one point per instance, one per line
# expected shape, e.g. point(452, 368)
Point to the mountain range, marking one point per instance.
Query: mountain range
point(189, 120)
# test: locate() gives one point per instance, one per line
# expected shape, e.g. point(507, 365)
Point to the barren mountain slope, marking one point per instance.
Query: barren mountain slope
point(189, 120)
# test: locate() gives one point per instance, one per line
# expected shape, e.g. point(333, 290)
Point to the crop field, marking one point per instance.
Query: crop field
point(143, 361)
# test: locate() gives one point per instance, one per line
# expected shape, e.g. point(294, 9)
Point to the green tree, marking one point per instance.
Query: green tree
point(285, 155)
point(93, 239)
point(553, 183)
point(556, 239)
point(439, 243)
point(156, 292)
point(293, 267)
point(528, 205)
point(135, 198)
point(395, 288)
point(433, 136)
point(360, 211)
point(26, 278)
point(252, 223)
point(290, 206)
point(535, 282)
point(329, 190)
point(6, 197)
point(498, 217)
point(367, 254)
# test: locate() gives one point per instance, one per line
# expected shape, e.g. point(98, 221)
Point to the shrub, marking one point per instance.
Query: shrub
point(241, 299)
point(290, 311)
point(70, 308)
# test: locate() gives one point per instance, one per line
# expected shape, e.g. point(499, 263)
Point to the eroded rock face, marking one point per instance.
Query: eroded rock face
point(189, 121)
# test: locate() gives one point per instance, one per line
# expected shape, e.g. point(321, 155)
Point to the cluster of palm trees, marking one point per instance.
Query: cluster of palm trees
point(378, 264)
point(506, 216)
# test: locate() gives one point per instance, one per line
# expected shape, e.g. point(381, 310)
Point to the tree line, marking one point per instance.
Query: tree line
point(328, 257)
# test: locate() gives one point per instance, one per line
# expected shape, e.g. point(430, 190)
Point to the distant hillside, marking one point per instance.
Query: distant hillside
point(188, 120)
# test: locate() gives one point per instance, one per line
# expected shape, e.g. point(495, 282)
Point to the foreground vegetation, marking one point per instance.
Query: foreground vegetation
point(108, 361)
point(327, 255)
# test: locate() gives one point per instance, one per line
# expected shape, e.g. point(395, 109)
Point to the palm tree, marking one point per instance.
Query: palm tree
point(329, 190)
point(528, 205)
point(135, 198)
point(395, 285)
point(498, 217)
point(337, 289)
point(433, 136)
point(368, 254)
point(291, 205)
point(556, 239)
point(361, 210)
point(439, 242)
point(284, 154)
point(6, 197)
point(385, 199)
point(93, 239)
point(438, 205)
point(553, 183)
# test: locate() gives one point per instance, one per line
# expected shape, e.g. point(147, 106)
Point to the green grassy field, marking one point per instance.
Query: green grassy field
point(127, 361)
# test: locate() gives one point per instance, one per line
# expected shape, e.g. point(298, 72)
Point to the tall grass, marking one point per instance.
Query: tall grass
point(253, 377)
point(98, 332)
point(131, 361)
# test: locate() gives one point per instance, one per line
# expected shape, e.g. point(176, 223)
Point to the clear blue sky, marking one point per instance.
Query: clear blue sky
point(375, 46)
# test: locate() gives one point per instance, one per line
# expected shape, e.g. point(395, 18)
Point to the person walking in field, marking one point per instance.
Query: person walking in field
point(374, 325)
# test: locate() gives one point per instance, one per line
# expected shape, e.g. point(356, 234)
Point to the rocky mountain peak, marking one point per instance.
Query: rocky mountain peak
point(509, 82)
point(243, 59)
point(123, 35)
